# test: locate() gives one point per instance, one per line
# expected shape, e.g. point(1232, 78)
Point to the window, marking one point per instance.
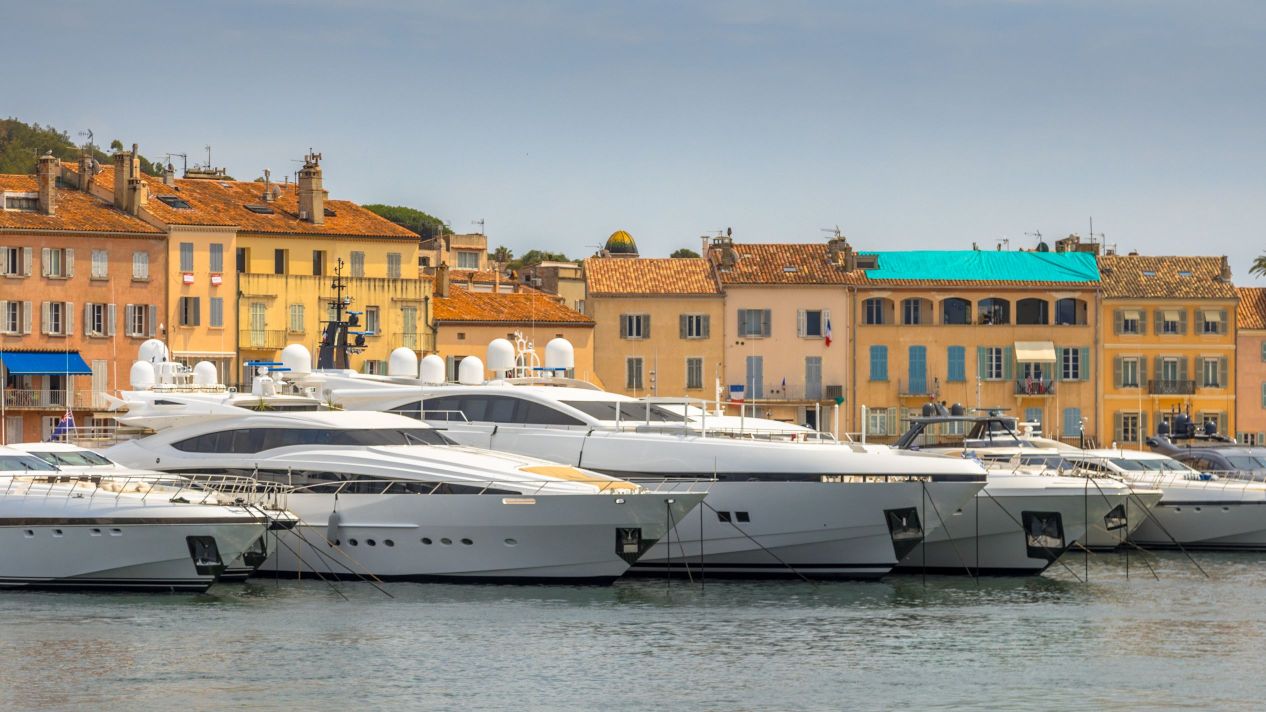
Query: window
point(633, 373)
point(58, 262)
point(878, 363)
point(754, 323)
point(186, 257)
point(1072, 422)
point(16, 317)
point(911, 311)
point(1213, 372)
point(467, 259)
point(358, 264)
point(56, 318)
point(100, 264)
point(694, 373)
point(95, 319)
point(955, 311)
point(252, 440)
point(409, 320)
point(1171, 321)
point(22, 202)
point(140, 320)
point(881, 421)
point(812, 378)
point(1129, 431)
point(318, 262)
point(1130, 321)
point(174, 201)
point(1032, 311)
point(873, 311)
point(1170, 369)
point(281, 261)
point(695, 326)
point(243, 259)
point(215, 317)
point(1070, 312)
point(371, 321)
point(393, 265)
point(1071, 366)
point(1212, 322)
point(296, 319)
point(809, 323)
point(1031, 371)
point(995, 311)
point(260, 209)
point(956, 358)
point(15, 261)
point(635, 326)
point(217, 258)
point(754, 385)
point(190, 310)
point(1129, 373)
point(993, 363)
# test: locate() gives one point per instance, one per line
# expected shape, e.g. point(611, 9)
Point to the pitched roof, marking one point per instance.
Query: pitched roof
point(663, 275)
point(785, 263)
point(985, 266)
point(1251, 313)
point(223, 202)
point(75, 211)
point(1148, 277)
point(504, 308)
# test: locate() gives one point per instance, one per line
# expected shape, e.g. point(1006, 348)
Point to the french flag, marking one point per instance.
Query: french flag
point(828, 332)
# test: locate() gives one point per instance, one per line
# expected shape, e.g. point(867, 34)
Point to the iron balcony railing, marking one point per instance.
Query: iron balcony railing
point(1034, 387)
point(263, 338)
point(1167, 387)
point(408, 340)
point(38, 399)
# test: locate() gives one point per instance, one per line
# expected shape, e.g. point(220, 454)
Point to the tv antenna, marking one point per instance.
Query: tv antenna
point(184, 157)
point(1093, 234)
point(88, 133)
point(208, 147)
point(480, 223)
point(832, 231)
point(1004, 242)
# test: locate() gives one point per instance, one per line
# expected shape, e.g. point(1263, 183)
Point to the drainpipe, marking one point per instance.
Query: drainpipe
point(852, 358)
point(1098, 393)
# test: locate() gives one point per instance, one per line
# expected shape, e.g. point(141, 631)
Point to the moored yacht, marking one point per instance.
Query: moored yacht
point(115, 531)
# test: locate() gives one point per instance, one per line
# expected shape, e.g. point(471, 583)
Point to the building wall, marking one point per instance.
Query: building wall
point(1150, 399)
point(663, 351)
point(457, 341)
point(300, 254)
point(890, 400)
point(205, 340)
point(30, 400)
point(1250, 386)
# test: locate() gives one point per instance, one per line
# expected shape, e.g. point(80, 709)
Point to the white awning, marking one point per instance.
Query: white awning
point(1134, 314)
point(1213, 316)
point(1034, 352)
point(1170, 315)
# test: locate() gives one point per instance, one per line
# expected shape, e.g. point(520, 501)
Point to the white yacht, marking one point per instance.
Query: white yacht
point(114, 531)
point(1028, 514)
point(777, 507)
point(381, 495)
point(1198, 510)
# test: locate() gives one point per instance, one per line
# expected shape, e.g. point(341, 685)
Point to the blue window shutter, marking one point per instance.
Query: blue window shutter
point(1008, 358)
point(981, 356)
point(957, 367)
point(1084, 364)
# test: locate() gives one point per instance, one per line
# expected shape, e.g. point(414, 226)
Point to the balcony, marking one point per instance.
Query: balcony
point(913, 389)
point(1034, 387)
point(24, 399)
point(409, 340)
point(263, 338)
point(1168, 387)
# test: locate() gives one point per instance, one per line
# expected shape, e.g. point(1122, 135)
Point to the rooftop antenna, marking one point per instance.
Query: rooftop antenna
point(88, 133)
point(832, 231)
point(1093, 234)
point(184, 158)
point(1004, 242)
point(480, 223)
point(208, 147)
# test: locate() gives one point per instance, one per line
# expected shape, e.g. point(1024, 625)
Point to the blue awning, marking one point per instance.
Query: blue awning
point(44, 363)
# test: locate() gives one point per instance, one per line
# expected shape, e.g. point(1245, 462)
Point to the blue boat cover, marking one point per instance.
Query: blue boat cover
point(986, 266)
point(43, 363)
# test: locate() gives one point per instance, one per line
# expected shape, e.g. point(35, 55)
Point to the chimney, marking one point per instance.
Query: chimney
point(723, 247)
point(268, 186)
point(122, 174)
point(137, 191)
point(1224, 273)
point(441, 280)
point(311, 194)
point(87, 172)
point(169, 175)
point(46, 176)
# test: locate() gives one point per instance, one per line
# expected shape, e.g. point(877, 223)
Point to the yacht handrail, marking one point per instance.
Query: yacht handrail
point(215, 489)
point(523, 488)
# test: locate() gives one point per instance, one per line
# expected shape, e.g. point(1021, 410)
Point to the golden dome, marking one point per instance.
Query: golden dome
point(621, 243)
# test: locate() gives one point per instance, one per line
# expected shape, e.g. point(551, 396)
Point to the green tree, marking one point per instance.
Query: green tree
point(502, 255)
point(424, 224)
point(534, 256)
point(21, 143)
point(684, 252)
point(1259, 266)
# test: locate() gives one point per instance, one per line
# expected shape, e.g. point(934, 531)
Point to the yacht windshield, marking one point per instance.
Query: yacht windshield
point(249, 440)
point(24, 463)
point(1246, 462)
point(78, 458)
point(629, 410)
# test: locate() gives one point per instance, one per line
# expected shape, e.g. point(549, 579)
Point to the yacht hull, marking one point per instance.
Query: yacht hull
point(471, 538)
point(1226, 525)
point(816, 530)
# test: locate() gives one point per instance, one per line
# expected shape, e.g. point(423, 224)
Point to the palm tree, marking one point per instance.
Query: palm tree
point(502, 256)
point(1259, 266)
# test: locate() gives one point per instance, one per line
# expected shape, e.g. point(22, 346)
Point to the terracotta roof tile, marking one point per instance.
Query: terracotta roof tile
point(785, 263)
point(668, 275)
point(504, 308)
point(1148, 277)
point(75, 211)
point(1252, 309)
point(223, 202)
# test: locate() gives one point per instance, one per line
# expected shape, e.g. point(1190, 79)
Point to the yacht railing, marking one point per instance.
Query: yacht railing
point(1218, 481)
point(214, 489)
point(506, 488)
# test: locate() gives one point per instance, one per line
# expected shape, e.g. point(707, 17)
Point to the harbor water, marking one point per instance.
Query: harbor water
point(1179, 639)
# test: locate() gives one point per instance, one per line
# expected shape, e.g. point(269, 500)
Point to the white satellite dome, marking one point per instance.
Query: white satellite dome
point(152, 351)
point(432, 370)
point(471, 371)
point(402, 362)
point(500, 356)
point(296, 358)
point(559, 354)
point(204, 374)
point(142, 375)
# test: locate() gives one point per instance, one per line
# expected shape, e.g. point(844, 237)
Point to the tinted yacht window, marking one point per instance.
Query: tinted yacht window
point(490, 409)
point(251, 440)
point(629, 410)
point(19, 463)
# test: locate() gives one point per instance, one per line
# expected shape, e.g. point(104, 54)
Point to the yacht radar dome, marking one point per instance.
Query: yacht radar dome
point(471, 371)
point(152, 351)
point(402, 362)
point(559, 353)
point(501, 357)
point(204, 374)
point(296, 358)
point(432, 370)
point(142, 375)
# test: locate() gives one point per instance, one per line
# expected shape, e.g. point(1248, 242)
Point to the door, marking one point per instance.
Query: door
point(99, 383)
point(918, 369)
point(813, 378)
point(257, 324)
point(754, 385)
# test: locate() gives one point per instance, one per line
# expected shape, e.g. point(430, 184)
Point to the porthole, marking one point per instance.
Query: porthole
point(1198, 509)
point(57, 533)
point(388, 542)
point(426, 540)
point(371, 542)
point(512, 542)
point(467, 542)
point(1226, 509)
point(446, 541)
point(115, 531)
point(96, 532)
point(337, 542)
point(30, 533)
point(352, 542)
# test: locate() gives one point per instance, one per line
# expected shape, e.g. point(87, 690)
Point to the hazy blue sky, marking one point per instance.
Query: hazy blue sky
point(908, 124)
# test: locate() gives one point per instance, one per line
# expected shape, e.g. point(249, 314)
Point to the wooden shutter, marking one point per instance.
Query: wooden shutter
point(87, 318)
point(70, 262)
point(1222, 325)
point(26, 261)
point(624, 326)
point(4, 317)
point(1143, 431)
point(27, 311)
point(45, 316)
point(800, 325)
point(1116, 372)
point(1083, 363)
point(111, 317)
point(45, 259)
point(683, 321)
point(1142, 371)
point(1118, 319)
point(151, 320)
point(69, 315)
point(1223, 376)
point(1159, 315)
point(646, 326)
point(981, 357)
point(1008, 363)
point(197, 311)
point(1116, 427)
point(765, 322)
point(1159, 363)
point(127, 319)
point(892, 421)
point(1182, 321)
point(4, 260)
point(706, 326)
point(1182, 368)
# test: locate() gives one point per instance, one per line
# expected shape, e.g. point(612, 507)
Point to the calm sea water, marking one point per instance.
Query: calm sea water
point(1049, 642)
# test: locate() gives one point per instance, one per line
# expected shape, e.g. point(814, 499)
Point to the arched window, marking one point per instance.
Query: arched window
point(955, 311)
point(1032, 311)
point(877, 310)
point(994, 310)
point(916, 311)
point(1070, 311)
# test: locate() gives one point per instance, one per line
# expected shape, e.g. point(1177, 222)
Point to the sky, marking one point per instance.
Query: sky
point(909, 125)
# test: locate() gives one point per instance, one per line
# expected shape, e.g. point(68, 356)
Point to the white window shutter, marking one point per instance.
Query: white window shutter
point(111, 317)
point(45, 259)
point(128, 316)
point(800, 325)
point(87, 318)
point(26, 317)
point(4, 260)
point(69, 315)
point(4, 314)
point(70, 262)
point(26, 261)
point(45, 316)
point(151, 320)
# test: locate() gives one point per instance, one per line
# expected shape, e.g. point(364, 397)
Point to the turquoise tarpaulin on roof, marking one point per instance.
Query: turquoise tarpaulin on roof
point(986, 266)
point(44, 363)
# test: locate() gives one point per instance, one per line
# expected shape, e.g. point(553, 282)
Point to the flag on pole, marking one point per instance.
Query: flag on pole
point(784, 384)
point(828, 331)
point(64, 426)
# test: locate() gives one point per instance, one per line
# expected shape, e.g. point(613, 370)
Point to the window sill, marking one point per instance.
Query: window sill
point(17, 276)
point(105, 278)
point(140, 279)
point(59, 277)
